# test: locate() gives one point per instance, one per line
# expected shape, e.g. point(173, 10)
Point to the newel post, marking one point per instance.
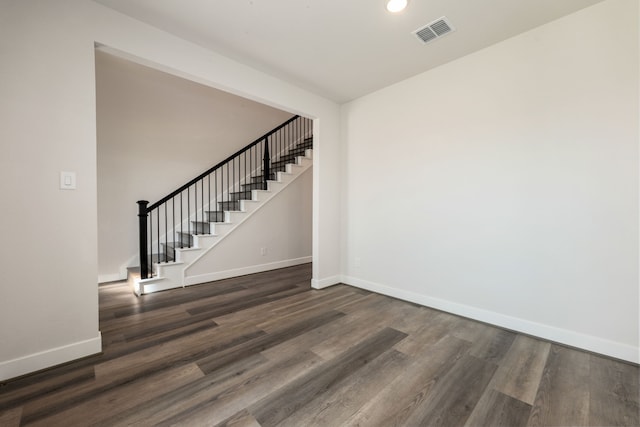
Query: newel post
point(265, 163)
point(142, 226)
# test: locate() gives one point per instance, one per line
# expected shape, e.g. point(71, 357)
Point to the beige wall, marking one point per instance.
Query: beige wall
point(509, 183)
point(155, 132)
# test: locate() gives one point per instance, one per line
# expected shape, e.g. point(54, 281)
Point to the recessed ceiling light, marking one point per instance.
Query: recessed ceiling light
point(395, 6)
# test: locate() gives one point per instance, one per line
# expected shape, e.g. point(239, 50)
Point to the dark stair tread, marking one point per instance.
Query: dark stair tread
point(205, 222)
point(253, 186)
point(272, 174)
point(157, 258)
point(187, 232)
point(298, 151)
point(288, 157)
point(305, 143)
point(201, 227)
point(175, 245)
point(283, 163)
point(260, 178)
point(186, 237)
point(241, 195)
point(215, 216)
point(229, 205)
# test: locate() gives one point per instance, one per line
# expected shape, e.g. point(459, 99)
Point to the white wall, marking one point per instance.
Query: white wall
point(48, 296)
point(155, 132)
point(504, 186)
point(282, 227)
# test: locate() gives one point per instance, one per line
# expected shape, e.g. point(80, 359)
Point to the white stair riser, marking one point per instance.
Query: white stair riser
point(187, 255)
point(161, 284)
point(172, 271)
point(204, 241)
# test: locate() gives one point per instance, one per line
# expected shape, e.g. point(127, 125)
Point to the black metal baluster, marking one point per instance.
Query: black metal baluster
point(189, 215)
point(166, 232)
point(195, 210)
point(150, 243)
point(227, 187)
point(293, 136)
point(266, 160)
point(158, 230)
point(173, 225)
point(142, 238)
point(215, 189)
point(287, 142)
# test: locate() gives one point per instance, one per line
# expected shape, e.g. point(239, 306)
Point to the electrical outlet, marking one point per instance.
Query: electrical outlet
point(358, 262)
point(263, 251)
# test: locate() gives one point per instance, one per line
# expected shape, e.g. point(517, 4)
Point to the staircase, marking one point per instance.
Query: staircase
point(180, 229)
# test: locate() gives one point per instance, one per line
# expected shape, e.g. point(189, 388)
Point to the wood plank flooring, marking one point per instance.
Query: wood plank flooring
point(266, 350)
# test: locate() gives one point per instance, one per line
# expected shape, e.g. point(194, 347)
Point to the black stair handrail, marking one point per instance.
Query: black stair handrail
point(240, 167)
point(227, 160)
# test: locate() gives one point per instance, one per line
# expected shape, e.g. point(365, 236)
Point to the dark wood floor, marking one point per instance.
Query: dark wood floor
point(266, 350)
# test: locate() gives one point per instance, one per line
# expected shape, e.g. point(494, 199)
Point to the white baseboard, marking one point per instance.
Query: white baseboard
point(48, 358)
point(242, 271)
point(563, 336)
point(326, 282)
point(116, 277)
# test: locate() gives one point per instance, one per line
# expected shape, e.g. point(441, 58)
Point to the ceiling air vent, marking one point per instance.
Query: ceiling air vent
point(434, 30)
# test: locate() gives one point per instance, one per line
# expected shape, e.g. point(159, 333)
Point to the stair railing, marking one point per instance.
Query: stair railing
point(191, 208)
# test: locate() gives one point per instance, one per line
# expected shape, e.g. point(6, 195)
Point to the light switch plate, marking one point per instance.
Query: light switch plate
point(67, 180)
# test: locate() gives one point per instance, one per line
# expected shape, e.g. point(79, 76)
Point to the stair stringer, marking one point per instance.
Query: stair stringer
point(172, 275)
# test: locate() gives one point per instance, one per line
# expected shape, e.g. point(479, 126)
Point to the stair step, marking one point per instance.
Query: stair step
point(289, 158)
point(307, 143)
point(170, 249)
point(185, 238)
point(272, 174)
point(200, 227)
point(241, 195)
point(298, 151)
point(231, 205)
point(175, 245)
point(253, 186)
point(280, 164)
point(260, 178)
point(156, 258)
point(215, 216)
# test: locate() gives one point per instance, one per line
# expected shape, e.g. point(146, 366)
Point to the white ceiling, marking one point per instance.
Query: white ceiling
point(342, 49)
